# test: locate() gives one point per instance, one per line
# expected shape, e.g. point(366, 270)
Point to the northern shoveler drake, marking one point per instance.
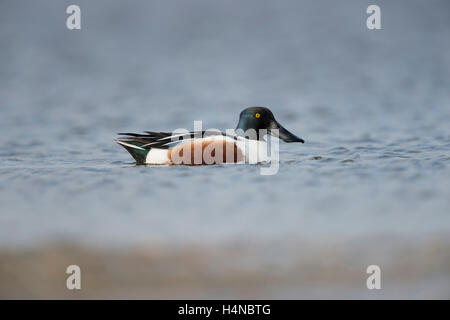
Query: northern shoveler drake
point(209, 147)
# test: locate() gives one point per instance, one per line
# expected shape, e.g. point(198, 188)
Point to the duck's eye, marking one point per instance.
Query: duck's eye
point(257, 115)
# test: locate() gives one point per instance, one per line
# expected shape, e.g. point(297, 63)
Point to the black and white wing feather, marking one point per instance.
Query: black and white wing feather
point(164, 140)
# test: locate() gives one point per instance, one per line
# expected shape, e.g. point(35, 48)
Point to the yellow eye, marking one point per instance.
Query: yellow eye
point(257, 115)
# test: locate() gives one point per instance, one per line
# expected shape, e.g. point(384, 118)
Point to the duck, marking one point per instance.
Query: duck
point(245, 144)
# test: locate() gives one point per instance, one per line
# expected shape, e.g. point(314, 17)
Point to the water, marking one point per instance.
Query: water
point(370, 185)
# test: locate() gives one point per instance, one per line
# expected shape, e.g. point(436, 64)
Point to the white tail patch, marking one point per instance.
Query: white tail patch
point(157, 156)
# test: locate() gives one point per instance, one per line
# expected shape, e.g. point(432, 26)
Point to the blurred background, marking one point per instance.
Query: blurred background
point(370, 185)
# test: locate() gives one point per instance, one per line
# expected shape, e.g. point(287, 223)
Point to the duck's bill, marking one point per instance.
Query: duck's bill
point(277, 130)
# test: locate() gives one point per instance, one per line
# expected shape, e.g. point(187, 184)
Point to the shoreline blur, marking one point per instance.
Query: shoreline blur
point(328, 269)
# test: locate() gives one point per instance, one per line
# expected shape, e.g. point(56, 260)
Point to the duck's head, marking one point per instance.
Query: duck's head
point(261, 118)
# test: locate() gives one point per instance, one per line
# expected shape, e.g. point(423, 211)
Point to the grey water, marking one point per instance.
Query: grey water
point(372, 105)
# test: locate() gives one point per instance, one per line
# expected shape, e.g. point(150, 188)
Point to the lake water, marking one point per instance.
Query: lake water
point(371, 185)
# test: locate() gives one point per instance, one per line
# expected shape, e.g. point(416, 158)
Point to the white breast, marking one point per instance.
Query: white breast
point(255, 151)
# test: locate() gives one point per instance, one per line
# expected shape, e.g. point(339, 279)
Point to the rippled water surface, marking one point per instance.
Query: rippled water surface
point(372, 106)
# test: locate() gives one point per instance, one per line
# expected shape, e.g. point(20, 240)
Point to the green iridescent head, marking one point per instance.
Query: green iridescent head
point(261, 118)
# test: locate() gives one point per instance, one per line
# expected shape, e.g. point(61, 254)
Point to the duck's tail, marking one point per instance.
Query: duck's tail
point(134, 148)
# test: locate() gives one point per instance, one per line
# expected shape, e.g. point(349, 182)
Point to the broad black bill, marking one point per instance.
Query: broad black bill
point(283, 133)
